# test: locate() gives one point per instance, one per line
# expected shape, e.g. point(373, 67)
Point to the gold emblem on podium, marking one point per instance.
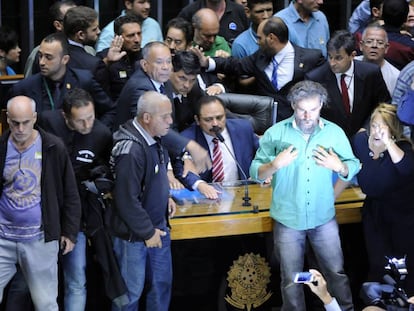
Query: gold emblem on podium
point(248, 278)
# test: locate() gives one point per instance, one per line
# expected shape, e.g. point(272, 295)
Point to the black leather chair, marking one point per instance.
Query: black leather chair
point(261, 111)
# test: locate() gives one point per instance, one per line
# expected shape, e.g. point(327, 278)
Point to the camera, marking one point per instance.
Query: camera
point(389, 295)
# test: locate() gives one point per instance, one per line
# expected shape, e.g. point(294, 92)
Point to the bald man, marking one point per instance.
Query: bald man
point(206, 28)
point(39, 204)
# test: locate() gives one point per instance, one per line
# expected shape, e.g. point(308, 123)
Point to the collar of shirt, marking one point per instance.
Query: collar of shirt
point(179, 96)
point(157, 85)
point(349, 73)
point(148, 138)
point(285, 59)
point(252, 33)
point(75, 43)
point(295, 126)
point(295, 13)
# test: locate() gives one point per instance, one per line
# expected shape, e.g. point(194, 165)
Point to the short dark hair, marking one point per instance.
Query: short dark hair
point(61, 38)
point(186, 61)
point(394, 12)
point(342, 39)
point(183, 25)
point(77, 98)
point(205, 100)
point(78, 18)
point(252, 3)
point(8, 38)
point(276, 26)
point(125, 19)
point(55, 14)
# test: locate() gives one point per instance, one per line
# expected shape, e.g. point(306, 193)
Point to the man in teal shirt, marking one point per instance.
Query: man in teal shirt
point(301, 153)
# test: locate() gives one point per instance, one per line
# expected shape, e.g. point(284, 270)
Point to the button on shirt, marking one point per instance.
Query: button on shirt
point(303, 195)
point(285, 59)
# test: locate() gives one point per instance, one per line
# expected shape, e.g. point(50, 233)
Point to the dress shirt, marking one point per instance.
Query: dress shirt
point(150, 28)
point(332, 306)
point(285, 59)
point(245, 44)
point(230, 167)
point(303, 195)
point(349, 80)
point(312, 34)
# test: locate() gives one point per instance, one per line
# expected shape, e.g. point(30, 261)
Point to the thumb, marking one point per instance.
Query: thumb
point(163, 233)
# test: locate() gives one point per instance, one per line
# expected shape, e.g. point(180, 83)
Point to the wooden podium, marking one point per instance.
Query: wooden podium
point(230, 217)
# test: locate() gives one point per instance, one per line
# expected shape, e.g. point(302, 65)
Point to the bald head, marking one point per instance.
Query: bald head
point(21, 117)
point(154, 113)
point(206, 27)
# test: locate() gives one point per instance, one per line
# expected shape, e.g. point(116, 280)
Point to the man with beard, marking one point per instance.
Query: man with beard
point(55, 78)
point(128, 30)
point(308, 26)
point(277, 65)
point(301, 153)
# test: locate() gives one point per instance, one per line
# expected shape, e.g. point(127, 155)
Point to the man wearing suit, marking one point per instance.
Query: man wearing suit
point(152, 75)
point(277, 65)
point(239, 139)
point(362, 84)
point(49, 86)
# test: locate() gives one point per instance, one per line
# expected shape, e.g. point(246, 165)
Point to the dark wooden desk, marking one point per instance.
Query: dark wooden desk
point(231, 218)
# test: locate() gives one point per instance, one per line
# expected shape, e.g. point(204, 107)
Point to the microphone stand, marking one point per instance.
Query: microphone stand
point(246, 197)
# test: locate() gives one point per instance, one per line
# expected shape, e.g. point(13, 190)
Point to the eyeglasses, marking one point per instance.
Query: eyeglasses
point(374, 42)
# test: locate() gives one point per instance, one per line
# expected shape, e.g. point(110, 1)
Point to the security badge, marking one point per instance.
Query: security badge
point(122, 74)
point(68, 86)
point(156, 169)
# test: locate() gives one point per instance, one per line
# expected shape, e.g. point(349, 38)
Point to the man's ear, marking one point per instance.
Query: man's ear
point(2, 53)
point(143, 64)
point(65, 59)
point(197, 121)
point(80, 36)
point(58, 25)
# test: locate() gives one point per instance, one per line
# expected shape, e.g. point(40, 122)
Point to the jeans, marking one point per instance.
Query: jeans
point(74, 272)
point(141, 266)
point(38, 264)
point(290, 250)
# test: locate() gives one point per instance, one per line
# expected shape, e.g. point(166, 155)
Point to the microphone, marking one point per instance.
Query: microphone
point(216, 130)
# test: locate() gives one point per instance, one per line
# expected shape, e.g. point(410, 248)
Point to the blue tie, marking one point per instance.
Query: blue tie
point(162, 89)
point(274, 74)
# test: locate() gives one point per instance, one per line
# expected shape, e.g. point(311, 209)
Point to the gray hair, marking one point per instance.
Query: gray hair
point(148, 102)
point(307, 89)
point(32, 102)
point(147, 48)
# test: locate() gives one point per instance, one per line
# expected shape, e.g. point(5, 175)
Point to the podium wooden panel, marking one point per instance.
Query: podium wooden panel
point(231, 218)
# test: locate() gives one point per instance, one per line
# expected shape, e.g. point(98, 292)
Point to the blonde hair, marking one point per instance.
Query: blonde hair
point(388, 114)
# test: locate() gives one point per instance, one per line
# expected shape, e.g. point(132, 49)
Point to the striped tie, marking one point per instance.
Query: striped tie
point(218, 168)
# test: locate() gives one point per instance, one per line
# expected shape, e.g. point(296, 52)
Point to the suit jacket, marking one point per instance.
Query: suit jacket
point(245, 144)
point(34, 87)
point(369, 90)
point(255, 64)
point(80, 59)
point(138, 84)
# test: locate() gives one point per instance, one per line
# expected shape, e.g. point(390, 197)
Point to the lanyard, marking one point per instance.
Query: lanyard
point(52, 103)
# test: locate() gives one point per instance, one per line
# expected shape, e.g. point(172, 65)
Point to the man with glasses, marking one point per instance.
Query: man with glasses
point(355, 88)
point(374, 45)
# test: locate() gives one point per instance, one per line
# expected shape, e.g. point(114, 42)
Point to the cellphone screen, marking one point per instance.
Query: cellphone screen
point(303, 277)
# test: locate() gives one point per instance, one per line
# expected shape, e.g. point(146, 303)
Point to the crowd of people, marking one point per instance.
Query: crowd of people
point(136, 109)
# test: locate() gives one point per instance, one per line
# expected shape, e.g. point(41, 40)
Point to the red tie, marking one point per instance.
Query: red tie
point(218, 168)
point(345, 96)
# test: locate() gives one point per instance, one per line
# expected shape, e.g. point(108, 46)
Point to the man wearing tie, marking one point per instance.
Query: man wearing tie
point(277, 65)
point(355, 88)
point(240, 143)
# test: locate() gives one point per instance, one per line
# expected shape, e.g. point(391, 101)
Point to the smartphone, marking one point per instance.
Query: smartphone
point(303, 277)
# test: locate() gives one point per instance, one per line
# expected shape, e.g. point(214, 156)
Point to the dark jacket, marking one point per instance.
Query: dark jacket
point(34, 87)
point(141, 189)
point(254, 65)
point(369, 90)
point(61, 209)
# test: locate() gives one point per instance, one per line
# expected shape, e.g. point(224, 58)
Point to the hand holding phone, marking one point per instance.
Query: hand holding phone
point(304, 277)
